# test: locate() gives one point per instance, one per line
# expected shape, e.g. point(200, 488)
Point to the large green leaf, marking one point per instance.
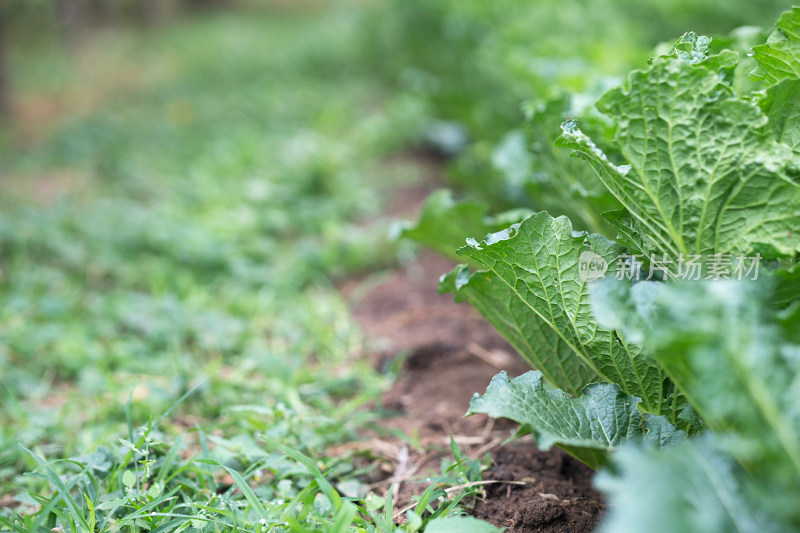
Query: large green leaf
point(691, 488)
point(539, 344)
point(538, 261)
point(779, 58)
point(589, 426)
point(735, 360)
point(701, 173)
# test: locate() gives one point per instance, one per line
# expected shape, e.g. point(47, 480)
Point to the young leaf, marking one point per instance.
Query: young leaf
point(444, 224)
point(557, 183)
point(779, 64)
point(129, 479)
point(588, 426)
point(313, 469)
point(779, 58)
point(538, 261)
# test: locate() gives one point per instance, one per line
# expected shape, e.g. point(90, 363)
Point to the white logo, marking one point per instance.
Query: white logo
point(591, 266)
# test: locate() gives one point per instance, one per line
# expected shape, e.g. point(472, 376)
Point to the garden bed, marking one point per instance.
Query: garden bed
point(450, 354)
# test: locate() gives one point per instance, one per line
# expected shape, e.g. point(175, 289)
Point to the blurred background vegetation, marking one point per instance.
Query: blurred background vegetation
point(183, 183)
point(177, 203)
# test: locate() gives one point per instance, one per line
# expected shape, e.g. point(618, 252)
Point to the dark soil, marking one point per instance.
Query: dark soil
point(452, 353)
point(558, 497)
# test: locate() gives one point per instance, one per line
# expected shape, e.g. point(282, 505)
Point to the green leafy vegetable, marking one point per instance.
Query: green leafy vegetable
point(779, 64)
point(538, 261)
point(691, 488)
point(444, 224)
point(779, 58)
point(735, 359)
point(701, 172)
point(694, 384)
point(782, 106)
point(539, 344)
point(589, 426)
point(555, 182)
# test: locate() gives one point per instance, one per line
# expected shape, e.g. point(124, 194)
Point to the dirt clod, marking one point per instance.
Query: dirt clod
point(558, 497)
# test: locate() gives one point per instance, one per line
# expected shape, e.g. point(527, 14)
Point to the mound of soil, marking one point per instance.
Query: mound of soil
point(453, 353)
point(557, 498)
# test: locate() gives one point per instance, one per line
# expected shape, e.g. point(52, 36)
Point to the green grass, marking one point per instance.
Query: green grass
point(177, 233)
